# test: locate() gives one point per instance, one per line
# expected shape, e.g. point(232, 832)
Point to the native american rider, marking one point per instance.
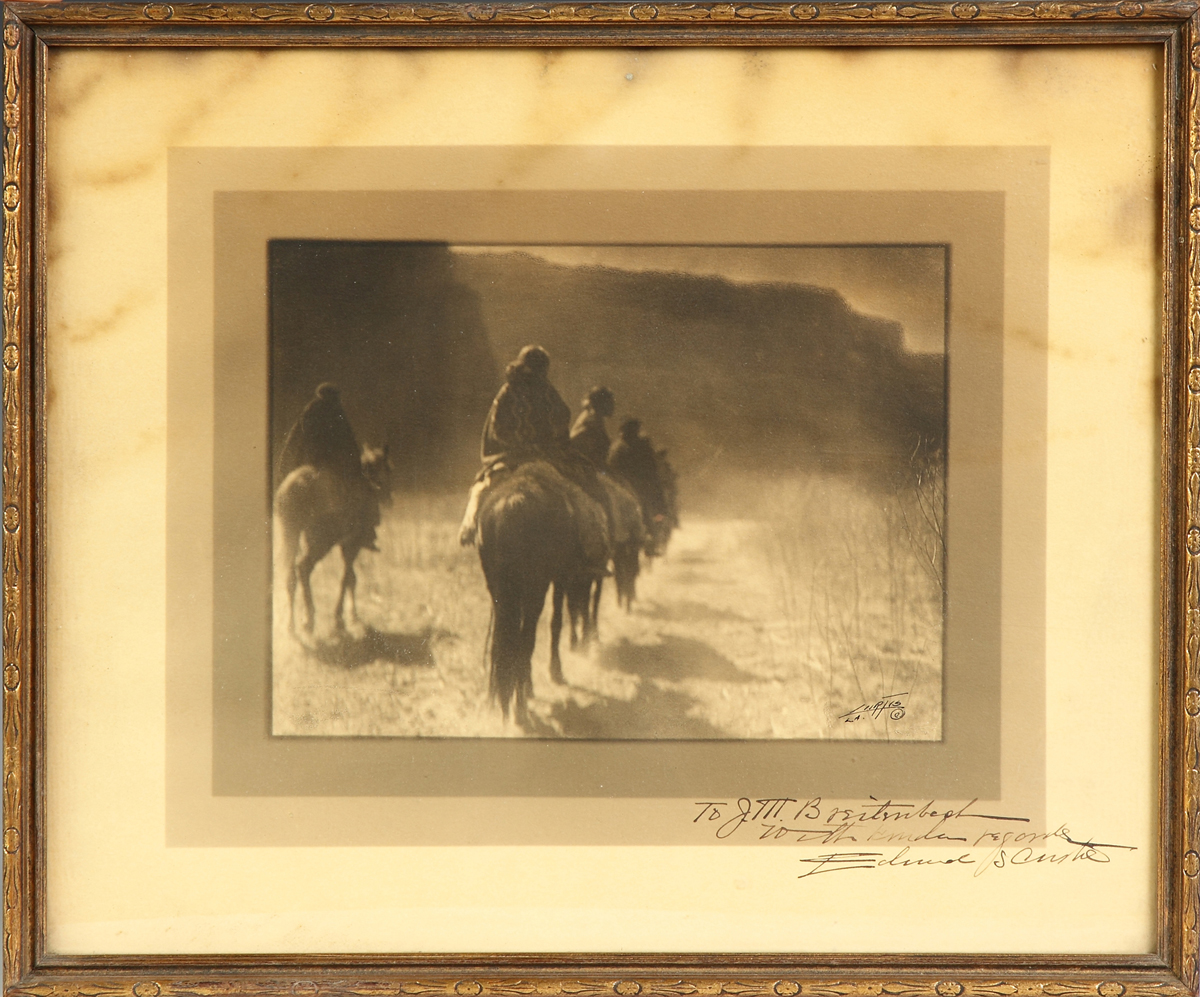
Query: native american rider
point(322, 438)
point(589, 435)
point(634, 459)
point(530, 421)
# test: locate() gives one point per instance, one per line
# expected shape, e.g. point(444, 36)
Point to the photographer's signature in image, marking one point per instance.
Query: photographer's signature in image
point(891, 705)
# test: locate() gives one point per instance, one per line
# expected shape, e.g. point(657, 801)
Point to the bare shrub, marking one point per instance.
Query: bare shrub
point(859, 578)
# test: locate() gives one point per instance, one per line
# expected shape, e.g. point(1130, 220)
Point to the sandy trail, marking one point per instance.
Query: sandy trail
point(732, 636)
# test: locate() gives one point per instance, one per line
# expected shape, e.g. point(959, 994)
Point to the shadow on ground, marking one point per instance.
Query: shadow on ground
point(653, 713)
point(673, 658)
point(348, 650)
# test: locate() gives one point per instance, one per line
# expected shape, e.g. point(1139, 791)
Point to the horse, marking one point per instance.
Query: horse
point(628, 536)
point(629, 539)
point(659, 534)
point(318, 510)
point(534, 526)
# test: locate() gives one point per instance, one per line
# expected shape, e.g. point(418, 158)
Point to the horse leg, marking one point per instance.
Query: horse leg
point(349, 587)
point(556, 622)
point(594, 611)
point(350, 579)
point(304, 570)
point(292, 579)
point(626, 571)
point(291, 542)
point(521, 707)
point(579, 599)
point(531, 611)
point(572, 618)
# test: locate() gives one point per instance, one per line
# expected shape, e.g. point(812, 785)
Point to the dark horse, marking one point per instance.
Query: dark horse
point(532, 527)
point(663, 523)
point(319, 510)
point(628, 536)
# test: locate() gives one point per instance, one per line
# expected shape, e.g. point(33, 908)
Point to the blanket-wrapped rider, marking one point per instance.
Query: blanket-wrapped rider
point(528, 421)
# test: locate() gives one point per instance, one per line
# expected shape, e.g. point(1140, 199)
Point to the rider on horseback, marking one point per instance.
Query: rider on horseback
point(322, 439)
point(529, 421)
point(589, 435)
point(633, 458)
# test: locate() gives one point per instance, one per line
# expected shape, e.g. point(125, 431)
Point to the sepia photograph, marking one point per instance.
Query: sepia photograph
point(608, 491)
point(530, 535)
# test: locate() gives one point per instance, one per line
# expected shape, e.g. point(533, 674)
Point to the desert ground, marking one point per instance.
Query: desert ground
point(790, 622)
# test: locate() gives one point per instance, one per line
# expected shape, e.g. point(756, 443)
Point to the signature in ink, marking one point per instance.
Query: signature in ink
point(892, 704)
point(1068, 851)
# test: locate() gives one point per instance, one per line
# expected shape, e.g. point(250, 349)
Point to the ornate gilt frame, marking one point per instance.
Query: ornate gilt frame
point(30, 28)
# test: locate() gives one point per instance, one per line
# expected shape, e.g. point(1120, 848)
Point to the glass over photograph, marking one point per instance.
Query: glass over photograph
point(608, 492)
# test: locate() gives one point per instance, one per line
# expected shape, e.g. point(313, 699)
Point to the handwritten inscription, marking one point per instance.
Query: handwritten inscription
point(997, 858)
point(892, 704)
point(812, 820)
point(888, 829)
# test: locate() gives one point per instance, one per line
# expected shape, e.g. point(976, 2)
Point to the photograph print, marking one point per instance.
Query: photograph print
point(608, 491)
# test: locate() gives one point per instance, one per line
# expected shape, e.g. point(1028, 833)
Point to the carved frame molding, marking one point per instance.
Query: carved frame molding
point(29, 28)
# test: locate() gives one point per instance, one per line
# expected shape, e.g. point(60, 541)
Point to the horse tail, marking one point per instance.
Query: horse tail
point(525, 535)
point(506, 672)
point(487, 640)
point(504, 629)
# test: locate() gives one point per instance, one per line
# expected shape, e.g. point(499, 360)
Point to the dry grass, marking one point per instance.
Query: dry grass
point(770, 625)
point(859, 596)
